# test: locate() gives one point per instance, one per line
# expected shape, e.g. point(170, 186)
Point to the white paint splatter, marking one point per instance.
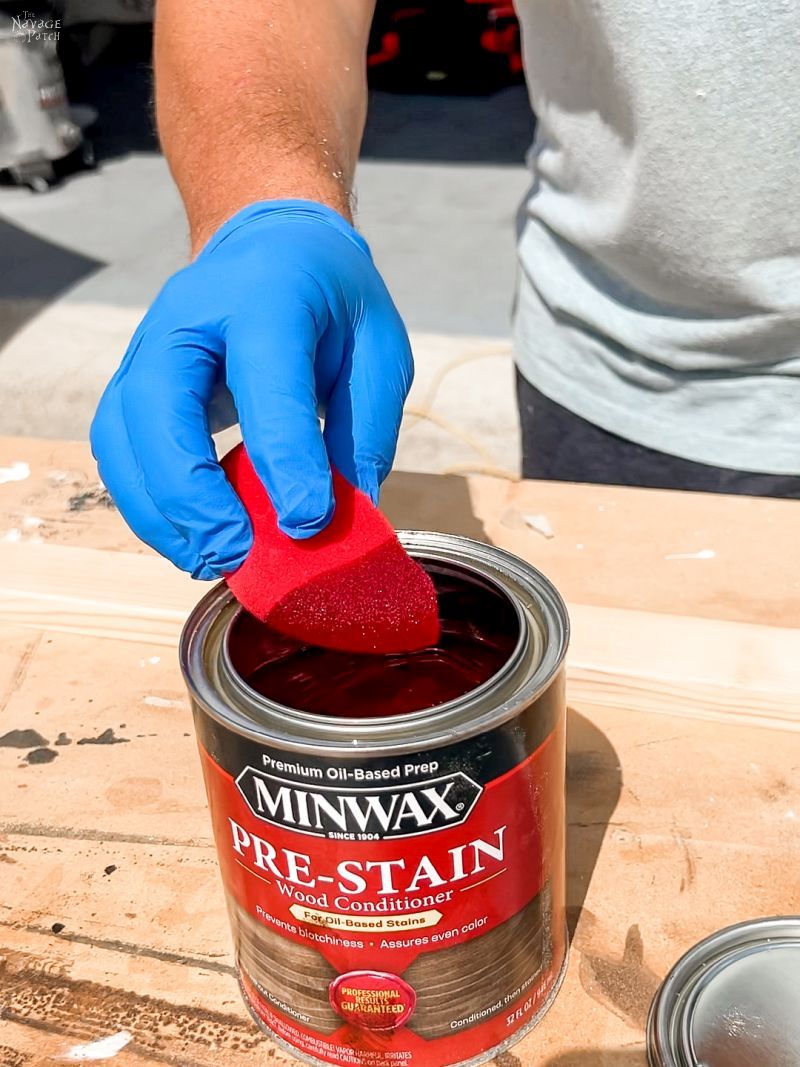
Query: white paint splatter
point(161, 702)
point(704, 553)
point(791, 816)
point(14, 535)
point(32, 522)
point(17, 472)
point(103, 1049)
point(541, 524)
point(151, 662)
point(579, 547)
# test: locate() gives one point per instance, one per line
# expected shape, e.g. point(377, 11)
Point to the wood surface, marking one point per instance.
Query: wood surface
point(684, 693)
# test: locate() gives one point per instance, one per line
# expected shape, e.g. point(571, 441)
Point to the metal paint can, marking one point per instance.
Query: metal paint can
point(732, 1001)
point(396, 885)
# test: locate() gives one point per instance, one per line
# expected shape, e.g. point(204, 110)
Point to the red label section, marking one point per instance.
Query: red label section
point(413, 917)
point(373, 1000)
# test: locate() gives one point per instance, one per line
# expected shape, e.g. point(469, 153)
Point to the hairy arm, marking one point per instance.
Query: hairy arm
point(260, 101)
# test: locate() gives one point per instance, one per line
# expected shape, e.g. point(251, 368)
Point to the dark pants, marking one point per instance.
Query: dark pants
point(560, 446)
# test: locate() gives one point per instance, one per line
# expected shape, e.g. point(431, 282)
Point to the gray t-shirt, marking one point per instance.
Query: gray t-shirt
point(659, 292)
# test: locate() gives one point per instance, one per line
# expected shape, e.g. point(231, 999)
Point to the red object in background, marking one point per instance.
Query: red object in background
point(389, 50)
point(503, 37)
point(472, 45)
point(352, 587)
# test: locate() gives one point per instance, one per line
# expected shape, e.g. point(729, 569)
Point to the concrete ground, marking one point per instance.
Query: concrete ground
point(438, 187)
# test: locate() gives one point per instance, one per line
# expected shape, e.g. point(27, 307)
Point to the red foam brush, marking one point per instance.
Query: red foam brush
point(352, 587)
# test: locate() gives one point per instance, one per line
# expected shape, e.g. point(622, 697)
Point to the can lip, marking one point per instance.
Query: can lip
point(533, 596)
point(717, 984)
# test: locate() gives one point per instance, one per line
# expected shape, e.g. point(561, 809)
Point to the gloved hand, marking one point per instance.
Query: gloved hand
point(285, 307)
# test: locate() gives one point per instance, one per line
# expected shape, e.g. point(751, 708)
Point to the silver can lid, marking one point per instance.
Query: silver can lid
point(732, 1001)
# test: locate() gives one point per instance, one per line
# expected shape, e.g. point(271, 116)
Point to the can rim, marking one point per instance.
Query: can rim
point(669, 1041)
point(433, 727)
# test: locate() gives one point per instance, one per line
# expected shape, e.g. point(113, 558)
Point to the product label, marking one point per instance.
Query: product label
point(359, 813)
point(407, 910)
point(372, 1000)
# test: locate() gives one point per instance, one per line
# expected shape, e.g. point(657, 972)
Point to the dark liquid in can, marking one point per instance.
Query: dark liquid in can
point(480, 630)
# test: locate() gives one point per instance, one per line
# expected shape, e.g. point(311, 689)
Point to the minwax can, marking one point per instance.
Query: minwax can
point(395, 882)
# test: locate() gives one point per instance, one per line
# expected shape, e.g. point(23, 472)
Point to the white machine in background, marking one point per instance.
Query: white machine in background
point(37, 125)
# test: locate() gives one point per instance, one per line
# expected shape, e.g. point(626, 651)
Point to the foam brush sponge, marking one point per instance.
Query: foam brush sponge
point(352, 587)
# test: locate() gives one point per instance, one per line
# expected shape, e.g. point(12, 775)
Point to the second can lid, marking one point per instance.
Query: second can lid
point(732, 1001)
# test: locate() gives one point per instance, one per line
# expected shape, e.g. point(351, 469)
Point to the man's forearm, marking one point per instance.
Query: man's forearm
point(260, 101)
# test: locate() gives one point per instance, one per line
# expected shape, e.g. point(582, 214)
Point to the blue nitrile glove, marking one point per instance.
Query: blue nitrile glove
point(285, 307)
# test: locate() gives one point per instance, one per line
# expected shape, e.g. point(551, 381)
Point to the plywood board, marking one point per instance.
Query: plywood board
point(676, 826)
point(629, 548)
point(684, 754)
point(732, 668)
